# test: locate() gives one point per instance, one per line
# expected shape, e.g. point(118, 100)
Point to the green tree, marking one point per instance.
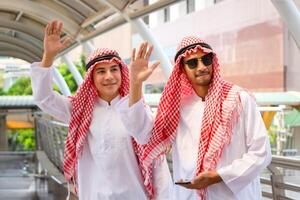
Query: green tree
point(2, 93)
point(21, 140)
point(22, 86)
point(65, 72)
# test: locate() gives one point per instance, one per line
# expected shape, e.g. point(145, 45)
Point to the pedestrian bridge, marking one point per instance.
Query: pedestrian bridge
point(39, 174)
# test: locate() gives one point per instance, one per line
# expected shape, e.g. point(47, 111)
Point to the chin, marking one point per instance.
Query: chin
point(203, 83)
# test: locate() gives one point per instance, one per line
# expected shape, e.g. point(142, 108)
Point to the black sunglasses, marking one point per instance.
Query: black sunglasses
point(206, 60)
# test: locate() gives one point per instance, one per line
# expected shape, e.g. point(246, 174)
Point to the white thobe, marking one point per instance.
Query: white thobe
point(241, 161)
point(107, 168)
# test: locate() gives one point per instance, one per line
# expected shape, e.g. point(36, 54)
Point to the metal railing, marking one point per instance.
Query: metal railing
point(50, 142)
point(51, 136)
point(284, 178)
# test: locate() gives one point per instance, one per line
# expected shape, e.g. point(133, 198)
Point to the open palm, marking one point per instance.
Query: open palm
point(52, 39)
point(139, 69)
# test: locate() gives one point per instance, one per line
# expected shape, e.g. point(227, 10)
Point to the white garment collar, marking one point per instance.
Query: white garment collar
point(112, 103)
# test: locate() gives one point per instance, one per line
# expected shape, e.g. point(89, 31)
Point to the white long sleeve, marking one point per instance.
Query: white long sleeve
point(138, 120)
point(48, 100)
point(241, 171)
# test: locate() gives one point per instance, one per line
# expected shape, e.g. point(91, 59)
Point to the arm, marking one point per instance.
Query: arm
point(41, 75)
point(48, 100)
point(258, 155)
point(138, 119)
point(135, 114)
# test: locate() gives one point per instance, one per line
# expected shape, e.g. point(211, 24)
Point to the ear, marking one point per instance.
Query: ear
point(182, 68)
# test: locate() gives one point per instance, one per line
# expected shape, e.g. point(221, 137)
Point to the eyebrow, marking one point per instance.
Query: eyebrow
point(114, 66)
point(103, 68)
point(190, 58)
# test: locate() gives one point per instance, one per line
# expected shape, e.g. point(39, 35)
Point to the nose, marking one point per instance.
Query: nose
point(200, 65)
point(108, 75)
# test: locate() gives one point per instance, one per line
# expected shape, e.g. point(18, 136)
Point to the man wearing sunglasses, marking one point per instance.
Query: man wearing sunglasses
point(218, 139)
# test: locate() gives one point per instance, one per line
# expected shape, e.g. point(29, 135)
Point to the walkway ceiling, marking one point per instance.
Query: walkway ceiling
point(22, 22)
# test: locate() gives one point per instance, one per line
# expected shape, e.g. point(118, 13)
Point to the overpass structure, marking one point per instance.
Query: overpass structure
point(38, 175)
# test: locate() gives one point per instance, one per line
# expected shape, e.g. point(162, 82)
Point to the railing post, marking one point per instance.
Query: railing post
point(276, 177)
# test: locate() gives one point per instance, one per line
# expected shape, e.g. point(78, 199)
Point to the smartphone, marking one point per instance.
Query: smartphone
point(183, 183)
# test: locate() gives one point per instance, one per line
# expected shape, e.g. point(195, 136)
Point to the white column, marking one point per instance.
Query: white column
point(158, 51)
point(61, 83)
point(73, 69)
point(88, 47)
point(291, 17)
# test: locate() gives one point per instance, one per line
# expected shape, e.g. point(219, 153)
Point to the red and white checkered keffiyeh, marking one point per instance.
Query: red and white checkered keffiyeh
point(221, 112)
point(81, 116)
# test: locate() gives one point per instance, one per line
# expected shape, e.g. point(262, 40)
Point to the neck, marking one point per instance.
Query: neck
point(201, 91)
point(108, 99)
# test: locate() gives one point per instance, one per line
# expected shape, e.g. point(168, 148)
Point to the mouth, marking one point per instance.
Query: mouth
point(109, 84)
point(201, 74)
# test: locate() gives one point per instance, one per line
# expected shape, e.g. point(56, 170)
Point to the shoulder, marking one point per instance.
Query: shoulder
point(247, 98)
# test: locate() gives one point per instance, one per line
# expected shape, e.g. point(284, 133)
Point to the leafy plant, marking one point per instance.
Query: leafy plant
point(22, 86)
point(21, 139)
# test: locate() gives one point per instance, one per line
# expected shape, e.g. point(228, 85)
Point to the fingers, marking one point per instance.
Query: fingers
point(49, 29)
point(140, 52)
point(133, 55)
point(145, 47)
point(150, 70)
point(66, 41)
point(144, 52)
point(46, 31)
point(53, 27)
point(149, 52)
point(154, 66)
point(60, 25)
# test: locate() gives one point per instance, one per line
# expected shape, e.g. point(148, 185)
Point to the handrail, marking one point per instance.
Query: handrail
point(51, 139)
point(286, 162)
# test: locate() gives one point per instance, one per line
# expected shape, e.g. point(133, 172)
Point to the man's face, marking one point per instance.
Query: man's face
point(107, 79)
point(200, 75)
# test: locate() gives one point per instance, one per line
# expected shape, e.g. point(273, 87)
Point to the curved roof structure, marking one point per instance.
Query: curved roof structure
point(22, 21)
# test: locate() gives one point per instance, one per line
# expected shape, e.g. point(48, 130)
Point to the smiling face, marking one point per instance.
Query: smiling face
point(107, 79)
point(201, 75)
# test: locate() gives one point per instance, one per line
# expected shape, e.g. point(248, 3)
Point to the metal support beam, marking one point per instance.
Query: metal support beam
point(33, 31)
point(13, 47)
point(158, 51)
point(22, 43)
point(61, 83)
point(88, 47)
point(291, 17)
point(17, 19)
point(77, 76)
point(43, 12)
point(140, 26)
point(17, 54)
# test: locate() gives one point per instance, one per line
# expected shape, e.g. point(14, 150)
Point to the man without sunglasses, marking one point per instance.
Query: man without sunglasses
point(218, 139)
point(101, 158)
